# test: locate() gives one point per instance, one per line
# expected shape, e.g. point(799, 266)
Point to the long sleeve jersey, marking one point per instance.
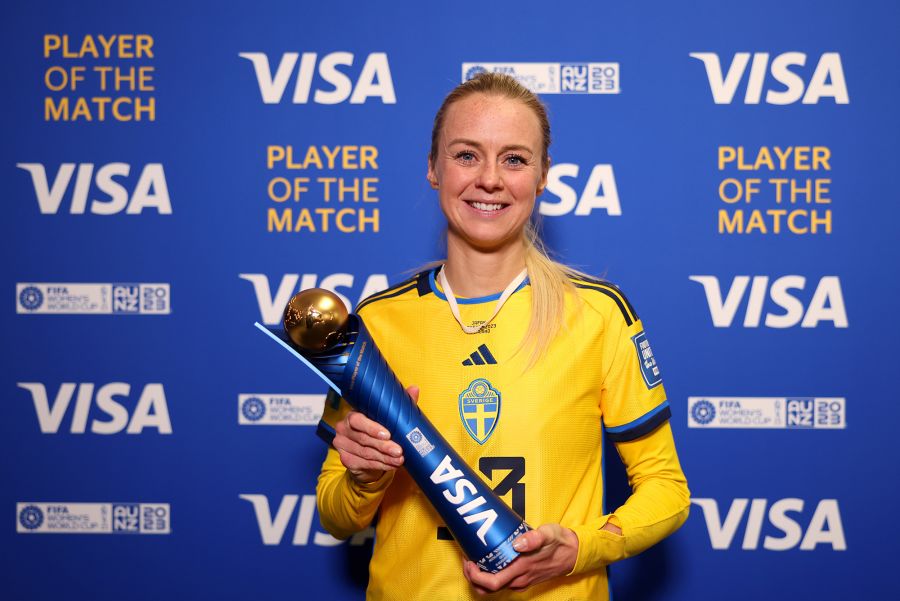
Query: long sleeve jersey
point(535, 433)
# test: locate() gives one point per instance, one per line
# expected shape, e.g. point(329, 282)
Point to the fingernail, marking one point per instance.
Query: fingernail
point(519, 544)
point(383, 435)
point(396, 451)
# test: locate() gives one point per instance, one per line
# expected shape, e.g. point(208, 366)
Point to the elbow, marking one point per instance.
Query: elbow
point(677, 495)
point(340, 518)
point(331, 526)
point(684, 503)
point(682, 516)
point(680, 504)
point(684, 493)
point(334, 530)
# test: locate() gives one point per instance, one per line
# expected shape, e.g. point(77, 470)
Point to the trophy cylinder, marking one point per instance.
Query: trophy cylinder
point(482, 524)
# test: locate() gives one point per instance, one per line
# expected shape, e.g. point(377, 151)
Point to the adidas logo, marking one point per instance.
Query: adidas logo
point(480, 357)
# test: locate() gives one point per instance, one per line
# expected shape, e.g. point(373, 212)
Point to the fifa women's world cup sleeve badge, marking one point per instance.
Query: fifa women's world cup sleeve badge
point(336, 345)
point(649, 368)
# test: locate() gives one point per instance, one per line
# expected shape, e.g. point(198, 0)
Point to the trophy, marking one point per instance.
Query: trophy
point(335, 344)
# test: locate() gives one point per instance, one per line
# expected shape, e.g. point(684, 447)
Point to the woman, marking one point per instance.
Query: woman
point(521, 383)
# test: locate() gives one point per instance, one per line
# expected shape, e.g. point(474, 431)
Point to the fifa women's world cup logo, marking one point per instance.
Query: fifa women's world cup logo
point(335, 344)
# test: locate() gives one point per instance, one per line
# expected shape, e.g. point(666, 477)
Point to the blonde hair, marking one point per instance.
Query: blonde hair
point(549, 279)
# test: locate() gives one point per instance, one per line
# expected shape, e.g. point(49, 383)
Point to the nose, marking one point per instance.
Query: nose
point(490, 178)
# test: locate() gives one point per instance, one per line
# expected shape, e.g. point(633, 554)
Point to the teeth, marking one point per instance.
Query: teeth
point(483, 206)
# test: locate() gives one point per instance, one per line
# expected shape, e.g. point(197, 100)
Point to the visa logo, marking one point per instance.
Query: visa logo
point(826, 304)
point(373, 81)
point(150, 411)
point(827, 81)
point(824, 527)
point(149, 192)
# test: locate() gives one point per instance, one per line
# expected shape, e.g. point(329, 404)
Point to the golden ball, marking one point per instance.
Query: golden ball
point(315, 320)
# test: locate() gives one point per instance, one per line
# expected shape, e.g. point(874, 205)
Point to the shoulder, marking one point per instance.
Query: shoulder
point(604, 297)
point(408, 289)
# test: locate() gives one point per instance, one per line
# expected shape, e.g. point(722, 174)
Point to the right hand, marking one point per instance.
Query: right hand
point(365, 446)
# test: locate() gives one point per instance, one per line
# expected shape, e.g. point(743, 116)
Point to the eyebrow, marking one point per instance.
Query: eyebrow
point(469, 142)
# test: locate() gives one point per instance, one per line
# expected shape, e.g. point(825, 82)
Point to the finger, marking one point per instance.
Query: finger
point(530, 541)
point(354, 463)
point(481, 592)
point(518, 588)
point(361, 423)
point(413, 392)
point(371, 434)
point(494, 582)
point(521, 583)
point(466, 570)
point(468, 566)
point(348, 445)
point(386, 448)
point(368, 453)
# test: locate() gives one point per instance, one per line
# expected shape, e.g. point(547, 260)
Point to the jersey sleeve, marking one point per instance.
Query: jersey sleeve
point(658, 506)
point(635, 417)
point(345, 506)
point(632, 399)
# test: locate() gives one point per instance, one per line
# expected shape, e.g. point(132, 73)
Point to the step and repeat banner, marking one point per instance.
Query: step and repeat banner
point(174, 172)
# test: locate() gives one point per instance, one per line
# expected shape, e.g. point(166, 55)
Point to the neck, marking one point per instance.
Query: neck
point(472, 272)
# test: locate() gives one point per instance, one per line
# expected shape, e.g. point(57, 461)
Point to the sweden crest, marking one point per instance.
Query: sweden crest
point(479, 409)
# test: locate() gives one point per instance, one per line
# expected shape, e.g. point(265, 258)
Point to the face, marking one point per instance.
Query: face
point(488, 170)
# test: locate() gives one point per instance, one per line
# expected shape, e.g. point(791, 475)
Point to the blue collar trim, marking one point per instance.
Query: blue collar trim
point(468, 301)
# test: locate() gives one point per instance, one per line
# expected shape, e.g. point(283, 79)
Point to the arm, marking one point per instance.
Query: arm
point(635, 413)
point(358, 467)
point(658, 506)
point(345, 505)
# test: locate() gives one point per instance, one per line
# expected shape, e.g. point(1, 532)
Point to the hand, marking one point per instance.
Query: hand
point(365, 446)
point(546, 553)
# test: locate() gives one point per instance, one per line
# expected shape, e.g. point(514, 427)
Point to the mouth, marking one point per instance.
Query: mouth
point(487, 207)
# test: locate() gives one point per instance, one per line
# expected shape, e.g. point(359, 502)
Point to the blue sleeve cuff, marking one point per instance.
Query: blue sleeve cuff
point(325, 432)
point(643, 425)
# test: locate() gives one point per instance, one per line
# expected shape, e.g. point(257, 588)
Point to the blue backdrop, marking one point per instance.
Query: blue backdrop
point(730, 166)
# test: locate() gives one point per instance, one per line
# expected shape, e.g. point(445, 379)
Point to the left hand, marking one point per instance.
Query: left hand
point(545, 553)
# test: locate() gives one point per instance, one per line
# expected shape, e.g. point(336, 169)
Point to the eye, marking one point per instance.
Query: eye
point(516, 160)
point(465, 156)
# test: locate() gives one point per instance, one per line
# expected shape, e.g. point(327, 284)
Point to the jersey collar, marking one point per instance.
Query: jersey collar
point(467, 301)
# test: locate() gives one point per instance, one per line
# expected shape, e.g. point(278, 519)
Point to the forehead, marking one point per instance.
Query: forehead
point(490, 118)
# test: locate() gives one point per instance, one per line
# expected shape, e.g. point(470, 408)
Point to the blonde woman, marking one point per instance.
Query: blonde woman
point(524, 365)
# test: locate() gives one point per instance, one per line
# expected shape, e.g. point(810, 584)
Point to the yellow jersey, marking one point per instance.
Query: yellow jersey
point(534, 433)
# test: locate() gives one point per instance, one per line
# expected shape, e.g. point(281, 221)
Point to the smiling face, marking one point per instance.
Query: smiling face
point(488, 169)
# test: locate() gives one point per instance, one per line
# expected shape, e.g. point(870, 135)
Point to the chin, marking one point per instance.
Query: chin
point(489, 241)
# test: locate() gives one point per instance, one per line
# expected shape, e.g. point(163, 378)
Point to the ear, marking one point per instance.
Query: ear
point(543, 182)
point(431, 176)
